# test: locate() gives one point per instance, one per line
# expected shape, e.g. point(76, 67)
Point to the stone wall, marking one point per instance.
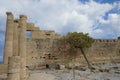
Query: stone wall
point(43, 51)
point(105, 50)
point(49, 51)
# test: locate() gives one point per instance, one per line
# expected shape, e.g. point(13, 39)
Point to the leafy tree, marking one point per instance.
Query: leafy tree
point(80, 41)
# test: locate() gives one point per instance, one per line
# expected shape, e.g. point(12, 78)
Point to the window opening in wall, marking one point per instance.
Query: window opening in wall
point(47, 34)
point(28, 34)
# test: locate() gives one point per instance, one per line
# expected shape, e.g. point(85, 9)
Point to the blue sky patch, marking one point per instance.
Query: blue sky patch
point(106, 1)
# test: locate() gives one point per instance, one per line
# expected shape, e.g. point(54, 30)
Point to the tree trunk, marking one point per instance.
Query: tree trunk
point(89, 66)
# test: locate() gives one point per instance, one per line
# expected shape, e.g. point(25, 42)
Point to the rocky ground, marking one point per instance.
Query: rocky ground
point(100, 72)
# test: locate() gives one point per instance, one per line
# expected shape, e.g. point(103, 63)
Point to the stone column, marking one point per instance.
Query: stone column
point(8, 48)
point(14, 68)
point(22, 46)
point(15, 38)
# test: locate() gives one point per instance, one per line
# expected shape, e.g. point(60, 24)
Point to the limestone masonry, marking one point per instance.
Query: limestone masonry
point(43, 47)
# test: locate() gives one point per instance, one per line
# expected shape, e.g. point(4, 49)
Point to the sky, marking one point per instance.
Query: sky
point(99, 18)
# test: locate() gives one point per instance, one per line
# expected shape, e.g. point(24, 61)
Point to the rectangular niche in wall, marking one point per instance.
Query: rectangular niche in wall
point(28, 34)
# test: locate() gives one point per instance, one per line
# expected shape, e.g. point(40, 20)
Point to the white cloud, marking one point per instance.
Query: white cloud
point(64, 15)
point(112, 25)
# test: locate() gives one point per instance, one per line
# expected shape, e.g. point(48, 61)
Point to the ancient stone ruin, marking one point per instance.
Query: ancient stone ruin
point(44, 48)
